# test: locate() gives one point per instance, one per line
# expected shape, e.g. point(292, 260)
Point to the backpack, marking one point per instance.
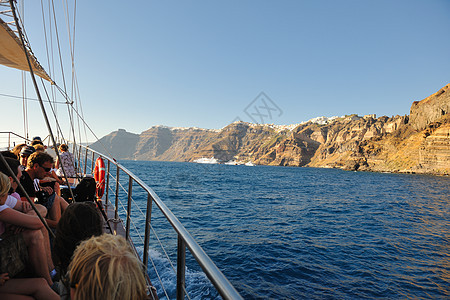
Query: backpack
point(85, 190)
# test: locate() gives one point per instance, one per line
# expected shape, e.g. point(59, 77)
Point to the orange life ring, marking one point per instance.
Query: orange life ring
point(99, 176)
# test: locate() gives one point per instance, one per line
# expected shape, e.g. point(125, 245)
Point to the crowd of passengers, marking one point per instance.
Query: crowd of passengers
point(81, 262)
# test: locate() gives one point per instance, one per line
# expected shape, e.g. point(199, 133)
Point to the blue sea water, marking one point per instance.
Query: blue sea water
point(294, 233)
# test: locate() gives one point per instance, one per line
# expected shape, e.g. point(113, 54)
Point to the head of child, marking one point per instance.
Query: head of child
point(5, 185)
point(104, 267)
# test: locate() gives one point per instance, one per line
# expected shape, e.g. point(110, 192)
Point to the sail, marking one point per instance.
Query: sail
point(12, 54)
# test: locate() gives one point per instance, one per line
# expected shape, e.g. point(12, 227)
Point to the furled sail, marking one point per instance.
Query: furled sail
point(12, 54)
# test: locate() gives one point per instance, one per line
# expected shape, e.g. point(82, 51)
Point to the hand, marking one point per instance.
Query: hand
point(47, 189)
point(26, 207)
point(3, 278)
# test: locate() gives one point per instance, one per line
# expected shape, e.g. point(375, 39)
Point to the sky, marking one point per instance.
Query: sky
point(208, 63)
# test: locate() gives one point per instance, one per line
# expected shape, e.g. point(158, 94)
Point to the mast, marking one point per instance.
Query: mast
point(38, 94)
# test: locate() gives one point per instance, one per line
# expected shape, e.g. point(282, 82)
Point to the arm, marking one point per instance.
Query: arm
point(17, 218)
point(20, 206)
point(23, 206)
point(57, 163)
point(53, 174)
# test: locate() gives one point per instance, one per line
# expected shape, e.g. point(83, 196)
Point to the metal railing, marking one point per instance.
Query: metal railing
point(185, 240)
point(8, 139)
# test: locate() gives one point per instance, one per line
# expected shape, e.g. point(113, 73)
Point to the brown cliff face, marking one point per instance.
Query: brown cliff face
point(434, 150)
point(343, 147)
point(290, 149)
point(119, 144)
point(236, 141)
point(153, 143)
point(430, 109)
point(417, 143)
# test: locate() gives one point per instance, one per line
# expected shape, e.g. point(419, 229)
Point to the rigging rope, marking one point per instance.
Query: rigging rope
point(26, 98)
point(36, 87)
point(24, 105)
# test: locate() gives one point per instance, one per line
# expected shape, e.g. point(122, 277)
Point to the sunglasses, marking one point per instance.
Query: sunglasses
point(45, 169)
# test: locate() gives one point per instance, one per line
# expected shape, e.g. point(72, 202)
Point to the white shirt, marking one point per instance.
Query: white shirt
point(9, 203)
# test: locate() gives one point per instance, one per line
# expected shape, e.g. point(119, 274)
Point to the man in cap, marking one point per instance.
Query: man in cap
point(25, 153)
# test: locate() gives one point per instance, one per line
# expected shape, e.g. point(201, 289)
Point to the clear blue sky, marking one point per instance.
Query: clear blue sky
point(201, 63)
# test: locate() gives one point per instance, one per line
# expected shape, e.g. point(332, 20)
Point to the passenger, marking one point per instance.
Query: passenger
point(39, 164)
point(52, 177)
point(105, 267)
point(16, 150)
point(25, 153)
point(39, 147)
point(17, 170)
point(80, 221)
point(23, 240)
point(25, 288)
point(67, 162)
point(37, 141)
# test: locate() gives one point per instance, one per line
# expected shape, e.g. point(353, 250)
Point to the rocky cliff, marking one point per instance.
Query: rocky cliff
point(417, 143)
point(430, 109)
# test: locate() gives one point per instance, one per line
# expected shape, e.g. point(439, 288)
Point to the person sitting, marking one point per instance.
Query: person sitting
point(15, 166)
point(25, 153)
point(66, 161)
point(104, 267)
point(25, 288)
point(24, 239)
point(16, 150)
point(80, 221)
point(39, 164)
point(39, 147)
point(37, 141)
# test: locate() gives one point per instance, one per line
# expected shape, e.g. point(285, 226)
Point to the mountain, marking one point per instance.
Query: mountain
point(417, 143)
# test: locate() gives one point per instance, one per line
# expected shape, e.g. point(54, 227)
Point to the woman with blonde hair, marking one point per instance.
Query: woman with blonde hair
point(16, 150)
point(13, 247)
point(104, 267)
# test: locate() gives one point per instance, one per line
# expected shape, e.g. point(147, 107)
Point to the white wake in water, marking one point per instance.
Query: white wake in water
point(197, 284)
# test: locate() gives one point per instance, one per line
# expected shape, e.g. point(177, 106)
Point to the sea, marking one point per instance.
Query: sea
point(299, 233)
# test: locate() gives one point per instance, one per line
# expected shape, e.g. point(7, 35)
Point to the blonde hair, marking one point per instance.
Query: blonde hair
point(5, 184)
point(16, 150)
point(104, 267)
point(39, 148)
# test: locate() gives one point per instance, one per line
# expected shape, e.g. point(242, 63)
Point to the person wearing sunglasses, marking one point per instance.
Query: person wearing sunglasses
point(38, 167)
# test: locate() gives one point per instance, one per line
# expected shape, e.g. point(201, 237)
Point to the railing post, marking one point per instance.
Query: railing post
point(130, 187)
point(9, 140)
point(107, 182)
point(85, 161)
point(148, 217)
point(93, 162)
point(116, 208)
point(80, 159)
point(181, 268)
